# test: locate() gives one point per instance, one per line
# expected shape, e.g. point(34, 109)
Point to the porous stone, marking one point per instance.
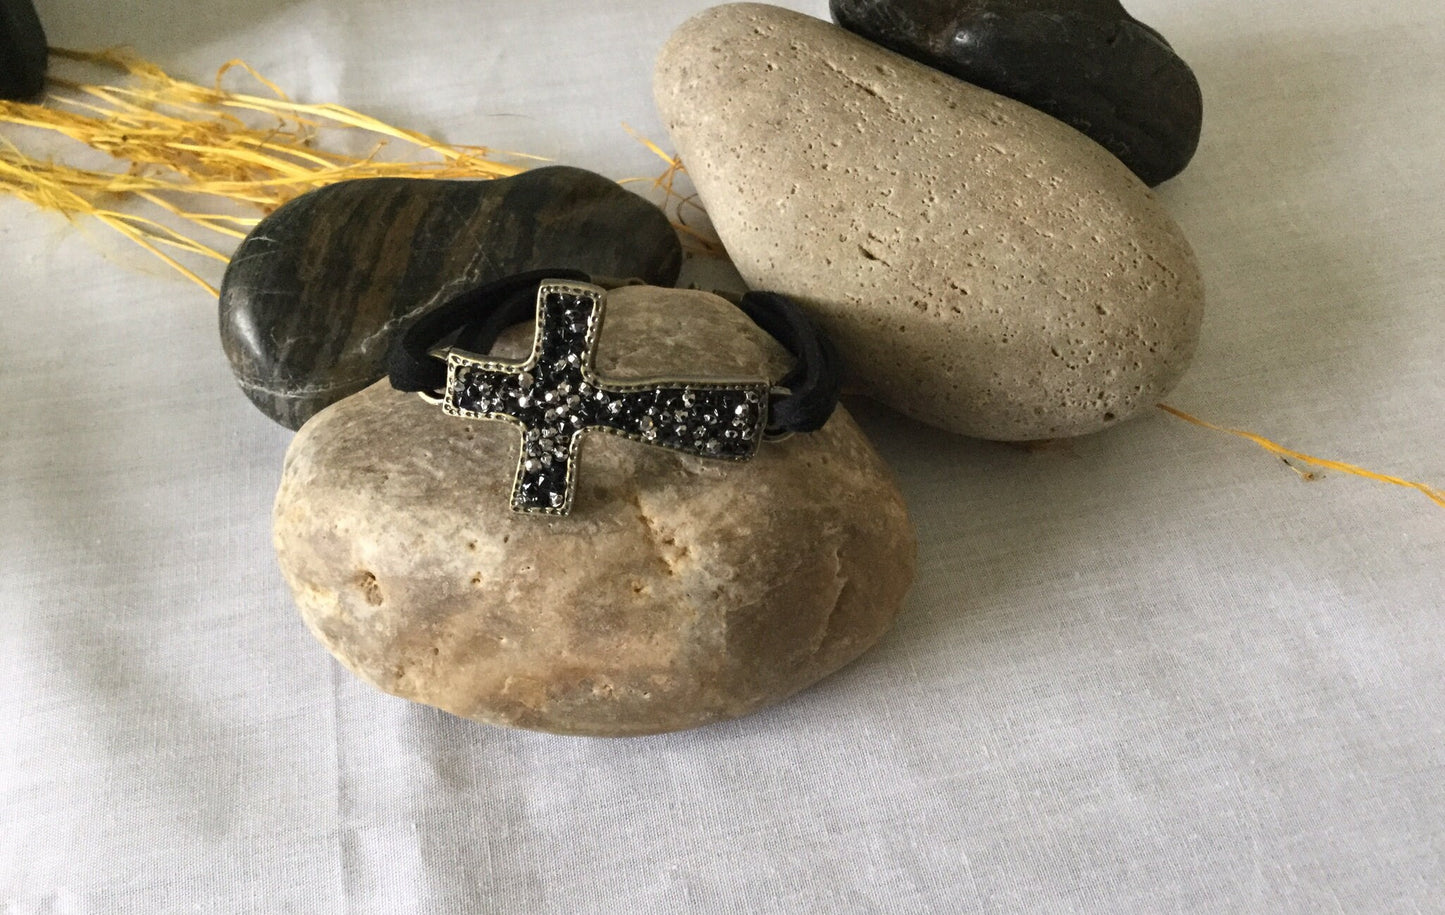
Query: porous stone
point(23, 51)
point(312, 297)
point(1086, 62)
point(982, 266)
point(679, 591)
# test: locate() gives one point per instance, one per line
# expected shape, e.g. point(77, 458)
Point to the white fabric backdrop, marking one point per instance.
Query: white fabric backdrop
point(1149, 671)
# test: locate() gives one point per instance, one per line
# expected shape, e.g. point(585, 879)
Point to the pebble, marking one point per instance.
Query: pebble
point(982, 266)
point(314, 294)
point(1086, 62)
point(678, 592)
point(23, 50)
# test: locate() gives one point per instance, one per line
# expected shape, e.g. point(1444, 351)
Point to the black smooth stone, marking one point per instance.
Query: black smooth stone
point(313, 296)
point(1086, 62)
point(23, 52)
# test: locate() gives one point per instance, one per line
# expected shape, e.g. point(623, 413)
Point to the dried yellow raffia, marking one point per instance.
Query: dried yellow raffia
point(1287, 454)
point(190, 153)
point(701, 240)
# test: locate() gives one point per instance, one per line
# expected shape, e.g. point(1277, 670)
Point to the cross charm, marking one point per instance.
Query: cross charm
point(555, 397)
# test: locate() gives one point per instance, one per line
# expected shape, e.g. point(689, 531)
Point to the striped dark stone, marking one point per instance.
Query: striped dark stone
point(314, 294)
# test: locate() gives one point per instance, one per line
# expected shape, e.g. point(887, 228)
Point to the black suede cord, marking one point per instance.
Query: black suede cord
point(473, 320)
point(812, 386)
point(472, 314)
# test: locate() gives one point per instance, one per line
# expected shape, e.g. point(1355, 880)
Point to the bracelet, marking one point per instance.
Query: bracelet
point(555, 396)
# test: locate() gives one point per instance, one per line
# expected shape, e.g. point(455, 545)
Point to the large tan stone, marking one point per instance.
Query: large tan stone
point(983, 267)
point(679, 591)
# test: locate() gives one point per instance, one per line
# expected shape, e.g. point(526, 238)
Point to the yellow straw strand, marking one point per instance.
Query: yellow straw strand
point(675, 201)
point(192, 152)
point(1432, 493)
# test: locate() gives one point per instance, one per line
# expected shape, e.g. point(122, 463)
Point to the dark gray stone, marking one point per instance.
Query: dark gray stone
point(1086, 62)
point(313, 296)
point(23, 52)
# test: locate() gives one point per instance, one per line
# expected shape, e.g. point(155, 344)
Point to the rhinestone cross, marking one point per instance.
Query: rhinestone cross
point(555, 396)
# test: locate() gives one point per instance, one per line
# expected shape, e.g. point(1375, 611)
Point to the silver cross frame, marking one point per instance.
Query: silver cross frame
point(555, 397)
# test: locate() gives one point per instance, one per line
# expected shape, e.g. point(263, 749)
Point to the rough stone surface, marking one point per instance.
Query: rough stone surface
point(679, 591)
point(313, 295)
point(23, 51)
point(1086, 62)
point(983, 267)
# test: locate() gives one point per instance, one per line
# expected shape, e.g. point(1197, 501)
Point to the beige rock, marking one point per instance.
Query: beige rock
point(982, 266)
point(679, 591)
